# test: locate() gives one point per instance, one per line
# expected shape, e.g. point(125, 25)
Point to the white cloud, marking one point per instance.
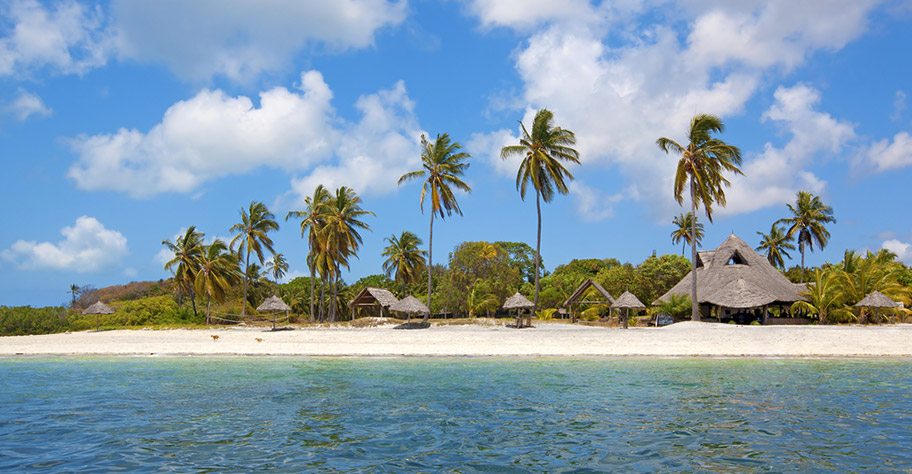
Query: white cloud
point(66, 36)
point(899, 106)
point(526, 14)
point(591, 204)
point(87, 247)
point(240, 39)
point(26, 105)
point(902, 250)
point(885, 155)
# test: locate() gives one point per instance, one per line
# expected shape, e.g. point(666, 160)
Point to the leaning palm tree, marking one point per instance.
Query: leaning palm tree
point(218, 271)
point(404, 261)
point(809, 215)
point(277, 266)
point(543, 150)
point(339, 235)
point(311, 221)
point(251, 237)
point(700, 168)
point(187, 250)
point(775, 244)
point(443, 165)
point(686, 227)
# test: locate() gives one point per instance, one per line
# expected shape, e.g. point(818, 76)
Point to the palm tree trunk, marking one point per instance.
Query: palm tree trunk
point(246, 277)
point(208, 306)
point(537, 255)
point(311, 292)
point(322, 298)
point(801, 247)
point(695, 306)
point(334, 303)
point(193, 301)
point(430, 265)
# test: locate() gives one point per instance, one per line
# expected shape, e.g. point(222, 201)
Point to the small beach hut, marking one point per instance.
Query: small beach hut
point(576, 297)
point(274, 304)
point(96, 309)
point(371, 296)
point(876, 300)
point(626, 301)
point(519, 302)
point(409, 305)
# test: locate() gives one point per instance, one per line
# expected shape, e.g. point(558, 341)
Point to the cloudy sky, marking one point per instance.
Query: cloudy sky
point(122, 123)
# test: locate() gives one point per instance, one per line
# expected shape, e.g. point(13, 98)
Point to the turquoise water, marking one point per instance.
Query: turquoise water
point(454, 414)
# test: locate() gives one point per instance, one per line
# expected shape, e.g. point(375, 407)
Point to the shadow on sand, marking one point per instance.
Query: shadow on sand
point(418, 325)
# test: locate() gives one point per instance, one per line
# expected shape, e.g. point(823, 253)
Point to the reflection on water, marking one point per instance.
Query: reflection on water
point(454, 414)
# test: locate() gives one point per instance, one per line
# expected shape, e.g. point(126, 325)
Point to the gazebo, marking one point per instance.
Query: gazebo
point(274, 304)
point(581, 291)
point(96, 309)
point(409, 305)
point(626, 301)
point(371, 296)
point(876, 300)
point(518, 302)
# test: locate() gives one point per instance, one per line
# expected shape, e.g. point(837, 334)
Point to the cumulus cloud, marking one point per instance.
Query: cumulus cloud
point(902, 250)
point(593, 205)
point(526, 14)
point(886, 155)
point(26, 105)
point(88, 247)
point(65, 36)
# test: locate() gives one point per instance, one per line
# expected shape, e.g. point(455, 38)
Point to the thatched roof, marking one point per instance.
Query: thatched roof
point(627, 300)
point(98, 308)
point(735, 276)
point(581, 290)
point(409, 304)
point(371, 296)
point(517, 301)
point(273, 303)
point(877, 300)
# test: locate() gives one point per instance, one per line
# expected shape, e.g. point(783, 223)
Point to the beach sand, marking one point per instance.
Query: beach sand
point(545, 339)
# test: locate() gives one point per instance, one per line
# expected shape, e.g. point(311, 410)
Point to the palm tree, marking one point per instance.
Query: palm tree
point(874, 272)
point(685, 227)
point(809, 216)
point(74, 288)
point(251, 237)
point(543, 151)
point(775, 244)
point(187, 249)
point(404, 260)
point(277, 266)
point(824, 297)
point(218, 271)
point(700, 168)
point(311, 222)
point(443, 165)
point(339, 236)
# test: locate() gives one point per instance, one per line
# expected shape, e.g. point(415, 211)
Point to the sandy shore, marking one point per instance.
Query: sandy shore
point(546, 339)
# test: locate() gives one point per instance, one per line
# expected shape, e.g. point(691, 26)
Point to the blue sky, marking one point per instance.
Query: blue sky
point(122, 123)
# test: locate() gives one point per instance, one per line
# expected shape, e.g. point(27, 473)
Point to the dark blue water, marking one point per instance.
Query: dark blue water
point(454, 414)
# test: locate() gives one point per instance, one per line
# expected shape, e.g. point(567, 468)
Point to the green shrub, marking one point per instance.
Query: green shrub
point(24, 320)
point(732, 322)
point(755, 323)
point(547, 314)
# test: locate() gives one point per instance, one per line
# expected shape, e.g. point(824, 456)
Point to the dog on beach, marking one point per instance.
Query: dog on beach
point(259, 339)
point(214, 337)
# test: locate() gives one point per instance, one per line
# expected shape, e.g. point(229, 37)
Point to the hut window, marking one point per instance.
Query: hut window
point(736, 259)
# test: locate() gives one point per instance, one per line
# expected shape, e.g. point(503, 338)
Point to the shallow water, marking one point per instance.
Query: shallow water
point(454, 414)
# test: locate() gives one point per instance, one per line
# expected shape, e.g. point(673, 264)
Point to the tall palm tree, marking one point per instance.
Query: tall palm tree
point(685, 228)
point(809, 215)
point(543, 150)
point(218, 271)
point(443, 165)
point(339, 235)
point(277, 265)
point(404, 261)
point(775, 244)
point(311, 221)
point(251, 237)
point(700, 168)
point(187, 250)
point(74, 288)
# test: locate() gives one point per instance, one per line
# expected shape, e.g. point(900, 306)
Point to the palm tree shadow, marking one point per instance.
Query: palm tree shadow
point(524, 326)
point(419, 325)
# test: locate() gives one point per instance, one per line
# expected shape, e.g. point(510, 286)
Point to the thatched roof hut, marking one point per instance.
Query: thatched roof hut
point(98, 308)
point(737, 277)
point(628, 300)
point(517, 301)
point(273, 304)
point(371, 296)
point(878, 300)
point(410, 305)
point(577, 296)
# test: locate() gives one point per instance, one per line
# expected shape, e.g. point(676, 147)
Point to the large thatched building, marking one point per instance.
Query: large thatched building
point(734, 278)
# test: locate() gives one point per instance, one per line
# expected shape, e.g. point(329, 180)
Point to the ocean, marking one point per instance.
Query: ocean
point(456, 414)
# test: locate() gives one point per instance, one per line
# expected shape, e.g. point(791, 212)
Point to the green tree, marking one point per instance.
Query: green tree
point(187, 250)
point(775, 245)
point(443, 165)
point(312, 218)
point(218, 271)
point(701, 168)
point(404, 260)
point(809, 215)
point(824, 298)
point(543, 152)
point(523, 257)
point(686, 227)
point(677, 307)
point(252, 236)
point(277, 266)
point(339, 235)
point(861, 276)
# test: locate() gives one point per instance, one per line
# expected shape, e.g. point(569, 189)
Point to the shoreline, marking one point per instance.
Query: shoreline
point(545, 340)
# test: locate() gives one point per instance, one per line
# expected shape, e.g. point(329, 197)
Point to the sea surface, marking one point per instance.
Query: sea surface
point(196, 414)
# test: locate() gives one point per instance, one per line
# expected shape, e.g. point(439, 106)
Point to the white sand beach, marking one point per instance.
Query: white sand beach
point(545, 339)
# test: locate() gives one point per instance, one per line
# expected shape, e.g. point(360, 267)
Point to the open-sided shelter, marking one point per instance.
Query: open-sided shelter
point(877, 300)
point(409, 305)
point(370, 297)
point(96, 309)
point(577, 296)
point(626, 301)
point(274, 304)
point(519, 302)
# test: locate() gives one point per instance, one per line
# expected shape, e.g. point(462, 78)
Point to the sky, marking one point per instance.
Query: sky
point(123, 123)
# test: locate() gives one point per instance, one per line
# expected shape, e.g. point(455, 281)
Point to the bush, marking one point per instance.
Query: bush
point(755, 323)
point(547, 314)
point(24, 320)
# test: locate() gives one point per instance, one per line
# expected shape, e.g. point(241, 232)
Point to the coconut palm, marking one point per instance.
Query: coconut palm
point(404, 261)
point(277, 266)
point(701, 169)
point(74, 288)
point(311, 222)
point(251, 237)
point(861, 276)
point(443, 165)
point(218, 271)
point(824, 297)
point(543, 152)
point(187, 250)
point(775, 244)
point(809, 215)
point(339, 235)
point(685, 227)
